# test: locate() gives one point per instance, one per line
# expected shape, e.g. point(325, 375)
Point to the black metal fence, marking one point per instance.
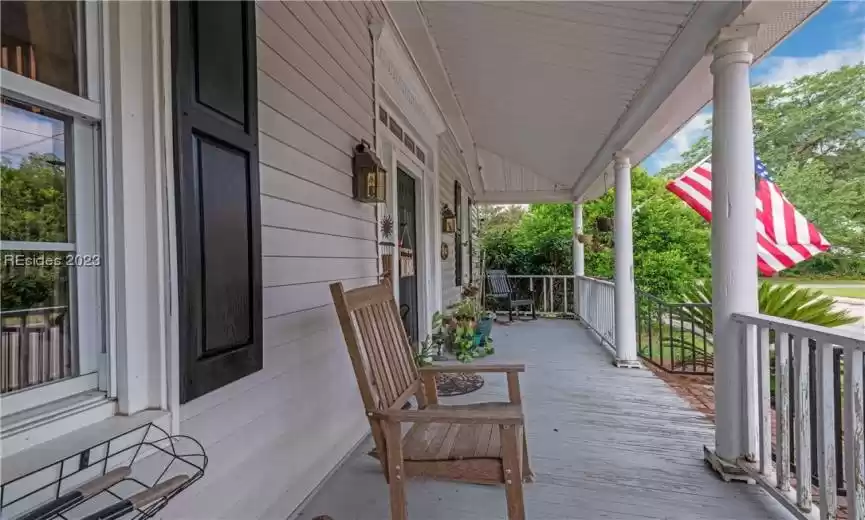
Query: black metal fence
point(676, 337)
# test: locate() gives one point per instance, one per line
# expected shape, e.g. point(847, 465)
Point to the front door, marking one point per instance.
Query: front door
point(407, 251)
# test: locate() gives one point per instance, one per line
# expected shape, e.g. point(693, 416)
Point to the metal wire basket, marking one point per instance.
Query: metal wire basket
point(145, 458)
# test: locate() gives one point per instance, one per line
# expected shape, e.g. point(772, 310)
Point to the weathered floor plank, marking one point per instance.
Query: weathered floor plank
point(605, 443)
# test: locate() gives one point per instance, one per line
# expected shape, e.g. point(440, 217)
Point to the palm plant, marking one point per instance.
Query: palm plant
point(781, 300)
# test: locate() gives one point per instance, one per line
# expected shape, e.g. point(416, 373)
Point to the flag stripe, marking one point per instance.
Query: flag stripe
point(784, 236)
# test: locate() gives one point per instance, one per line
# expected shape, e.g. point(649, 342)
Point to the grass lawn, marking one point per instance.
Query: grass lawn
point(847, 292)
point(815, 281)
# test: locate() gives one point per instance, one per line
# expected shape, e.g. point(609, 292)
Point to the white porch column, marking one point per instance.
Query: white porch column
point(734, 240)
point(579, 258)
point(626, 329)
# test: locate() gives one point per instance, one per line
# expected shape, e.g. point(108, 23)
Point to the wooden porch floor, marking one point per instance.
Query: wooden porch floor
point(604, 443)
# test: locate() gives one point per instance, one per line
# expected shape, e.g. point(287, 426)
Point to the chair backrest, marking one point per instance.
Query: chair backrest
point(377, 344)
point(499, 284)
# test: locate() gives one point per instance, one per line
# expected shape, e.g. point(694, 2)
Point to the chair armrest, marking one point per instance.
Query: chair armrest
point(506, 414)
point(462, 368)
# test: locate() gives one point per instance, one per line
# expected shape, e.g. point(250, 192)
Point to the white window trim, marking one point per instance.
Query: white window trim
point(51, 98)
point(83, 235)
point(127, 50)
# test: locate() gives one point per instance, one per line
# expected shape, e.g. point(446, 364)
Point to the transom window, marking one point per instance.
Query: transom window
point(402, 135)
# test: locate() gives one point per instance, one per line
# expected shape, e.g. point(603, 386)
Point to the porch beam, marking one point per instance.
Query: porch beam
point(623, 234)
point(523, 197)
point(734, 244)
point(579, 258)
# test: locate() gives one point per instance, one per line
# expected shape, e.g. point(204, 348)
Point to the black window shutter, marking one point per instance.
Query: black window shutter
point(458, 236)
point(218, 200)
point(471, 208)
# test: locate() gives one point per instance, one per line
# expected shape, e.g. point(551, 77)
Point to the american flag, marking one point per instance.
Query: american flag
point(784, 236)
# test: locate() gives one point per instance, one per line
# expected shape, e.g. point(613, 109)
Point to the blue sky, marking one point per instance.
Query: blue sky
point(832, 38)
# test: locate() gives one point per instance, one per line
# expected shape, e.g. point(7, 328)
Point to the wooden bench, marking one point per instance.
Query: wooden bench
point(480, 443)
point(500, 289)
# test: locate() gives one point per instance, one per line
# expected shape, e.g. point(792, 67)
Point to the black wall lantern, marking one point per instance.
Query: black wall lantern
point(370, 177)
point(449, 220)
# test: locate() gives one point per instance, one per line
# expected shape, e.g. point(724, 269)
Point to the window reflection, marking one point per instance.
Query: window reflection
point(35, 334)
point(36, 343)
point(40, 40)
point(33, 186)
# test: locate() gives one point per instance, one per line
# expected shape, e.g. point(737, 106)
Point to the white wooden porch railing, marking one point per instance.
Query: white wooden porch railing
point(792, 343)
point(598, 307)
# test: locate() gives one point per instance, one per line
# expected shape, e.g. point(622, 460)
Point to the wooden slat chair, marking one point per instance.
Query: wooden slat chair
point(480, 443)
point(501, 289)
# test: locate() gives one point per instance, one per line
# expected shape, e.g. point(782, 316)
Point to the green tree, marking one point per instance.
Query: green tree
point(33, 199)
point(33, 209)
point(671, 244)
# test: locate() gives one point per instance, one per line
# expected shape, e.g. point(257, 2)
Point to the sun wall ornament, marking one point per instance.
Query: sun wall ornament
point(387, 227)
point(386, 247)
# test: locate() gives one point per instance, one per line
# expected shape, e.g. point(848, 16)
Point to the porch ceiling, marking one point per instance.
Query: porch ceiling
point(523, 73)
point(548, 91)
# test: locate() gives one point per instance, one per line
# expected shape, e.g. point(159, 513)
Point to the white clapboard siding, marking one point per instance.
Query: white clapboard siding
point(285, 46)
point(360, 51)
point(452, 168)
point(274, 435)
point(267, 431)
point(284, 101)
point(285, 130)
point(275, 66)
point(278, 271)
point(348, 75)
point(350, 59)
point(287, 187)
point(294, 298)
point(290, 160)
point(283, 242)
point(280, 213)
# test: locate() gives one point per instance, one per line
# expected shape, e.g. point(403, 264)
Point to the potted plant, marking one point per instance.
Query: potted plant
point(604, 224)
point(485, 324)
point(426, 352)
point(467, 330)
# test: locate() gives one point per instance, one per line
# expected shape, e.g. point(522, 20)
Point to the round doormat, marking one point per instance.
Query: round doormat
point(458, 384)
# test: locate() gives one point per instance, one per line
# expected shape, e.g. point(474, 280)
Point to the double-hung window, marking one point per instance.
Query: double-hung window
point(51, 345)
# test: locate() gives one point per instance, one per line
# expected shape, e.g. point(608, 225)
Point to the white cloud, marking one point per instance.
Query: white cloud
point(688, 135)
point(783, 69)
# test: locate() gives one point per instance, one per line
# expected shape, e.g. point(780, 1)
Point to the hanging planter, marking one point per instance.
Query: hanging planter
point(604, 224)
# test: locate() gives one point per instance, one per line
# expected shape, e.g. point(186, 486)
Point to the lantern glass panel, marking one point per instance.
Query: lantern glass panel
point(382, 185)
